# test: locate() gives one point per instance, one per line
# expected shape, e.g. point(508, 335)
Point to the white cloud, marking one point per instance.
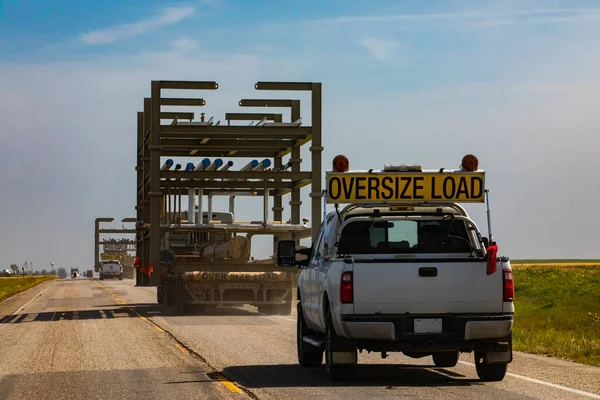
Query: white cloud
point(382, 49)
point(168, 16)
point(185, 44)
point(482, 15)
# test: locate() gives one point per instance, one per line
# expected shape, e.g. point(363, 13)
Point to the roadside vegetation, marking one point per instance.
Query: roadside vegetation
point(556, 262)
point(558, 310)
point(13, 285)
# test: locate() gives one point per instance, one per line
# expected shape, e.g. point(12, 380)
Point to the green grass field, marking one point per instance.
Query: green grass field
point(566, 261)
point(13, 285)
point(558, 311)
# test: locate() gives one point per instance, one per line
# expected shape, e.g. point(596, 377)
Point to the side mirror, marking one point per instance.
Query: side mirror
point(286, 253)
point(486, 242)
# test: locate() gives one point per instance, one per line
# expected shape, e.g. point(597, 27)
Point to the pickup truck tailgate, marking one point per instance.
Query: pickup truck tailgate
point(447, 286)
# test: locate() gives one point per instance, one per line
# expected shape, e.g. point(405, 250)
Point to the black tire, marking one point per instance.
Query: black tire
point(170, 293)
point(181, 307)
point(120, 277)
point(489, 372)
point(445, 359)
point(335, 372)
point(266, 309)
point(308, 356)
point(101, 277)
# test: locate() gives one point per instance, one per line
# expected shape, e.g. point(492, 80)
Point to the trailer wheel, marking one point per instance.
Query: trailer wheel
point(266, 309)
point(284, 309)
point(169, 296)
point(159, 294)
point(180, 295)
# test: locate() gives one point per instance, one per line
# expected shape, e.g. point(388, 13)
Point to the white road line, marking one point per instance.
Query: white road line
point(278, 316)
point(35, 297)
point(554, 385)
point(289, 319)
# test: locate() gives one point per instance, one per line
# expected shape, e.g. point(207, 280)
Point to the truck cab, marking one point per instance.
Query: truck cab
point(403, 268)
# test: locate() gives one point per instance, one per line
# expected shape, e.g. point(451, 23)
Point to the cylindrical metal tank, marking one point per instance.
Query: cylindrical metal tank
point(237, 248)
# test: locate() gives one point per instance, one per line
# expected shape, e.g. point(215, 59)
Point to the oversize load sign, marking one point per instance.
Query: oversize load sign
point(400, 187)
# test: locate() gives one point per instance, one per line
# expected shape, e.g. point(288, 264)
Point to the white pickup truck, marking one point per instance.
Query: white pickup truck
point(411, 274)
point(111, 269)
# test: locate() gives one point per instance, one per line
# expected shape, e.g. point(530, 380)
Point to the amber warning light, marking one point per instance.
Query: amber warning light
point(340, 163)
point(470, 163)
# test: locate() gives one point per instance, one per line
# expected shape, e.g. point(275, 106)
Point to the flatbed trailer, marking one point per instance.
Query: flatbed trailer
point(200, 257)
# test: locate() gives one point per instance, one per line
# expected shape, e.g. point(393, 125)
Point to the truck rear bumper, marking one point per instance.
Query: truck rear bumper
point(401, 328)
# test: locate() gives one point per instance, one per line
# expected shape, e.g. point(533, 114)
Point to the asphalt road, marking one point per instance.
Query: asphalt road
point(91, 339)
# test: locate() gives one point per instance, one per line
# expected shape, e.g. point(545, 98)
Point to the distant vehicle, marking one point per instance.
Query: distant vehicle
point(74, 273)
point(111, 269)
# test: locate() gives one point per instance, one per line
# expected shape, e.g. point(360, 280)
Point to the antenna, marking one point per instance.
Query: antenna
point(489, 218)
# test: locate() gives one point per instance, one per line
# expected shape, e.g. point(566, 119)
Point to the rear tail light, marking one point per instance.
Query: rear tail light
point(346, 288)
point(509, 285)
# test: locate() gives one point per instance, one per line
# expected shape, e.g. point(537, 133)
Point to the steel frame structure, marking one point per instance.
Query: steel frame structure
point(270, 138)
point(99, 231)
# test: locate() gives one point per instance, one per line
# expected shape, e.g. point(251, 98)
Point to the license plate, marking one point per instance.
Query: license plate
point(428, 325)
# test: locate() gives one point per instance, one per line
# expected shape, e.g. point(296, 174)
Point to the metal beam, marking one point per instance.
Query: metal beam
point(174, 101)
point(175, 114)
point(295, 176)
point(230, 185)
point(253, 116)
point(234, 130)
point(221, 154)
point(191, 85)
point(110, 230)
point(228, 144)
point(265, 103)
point(291, 86)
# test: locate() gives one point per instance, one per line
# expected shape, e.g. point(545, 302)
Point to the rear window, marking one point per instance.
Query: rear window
point(404, 237)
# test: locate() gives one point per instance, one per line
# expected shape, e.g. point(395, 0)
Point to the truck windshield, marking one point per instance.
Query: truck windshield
point(404, 237)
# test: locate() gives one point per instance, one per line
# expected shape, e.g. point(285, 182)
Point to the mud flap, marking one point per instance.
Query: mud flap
point(498, 353)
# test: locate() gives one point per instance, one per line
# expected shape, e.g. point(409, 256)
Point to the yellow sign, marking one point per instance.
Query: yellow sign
point(401, 187)
point(235, 276)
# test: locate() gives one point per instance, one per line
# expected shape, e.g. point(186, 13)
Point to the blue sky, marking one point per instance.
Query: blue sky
point(515, 82)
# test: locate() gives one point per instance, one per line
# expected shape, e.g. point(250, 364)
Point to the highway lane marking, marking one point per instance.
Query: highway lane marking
point(278, 316)
point(553, 385)
point(181, 348)
point(228, 384)
point(35, 297)
point(158, 328)
point(287, 319)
